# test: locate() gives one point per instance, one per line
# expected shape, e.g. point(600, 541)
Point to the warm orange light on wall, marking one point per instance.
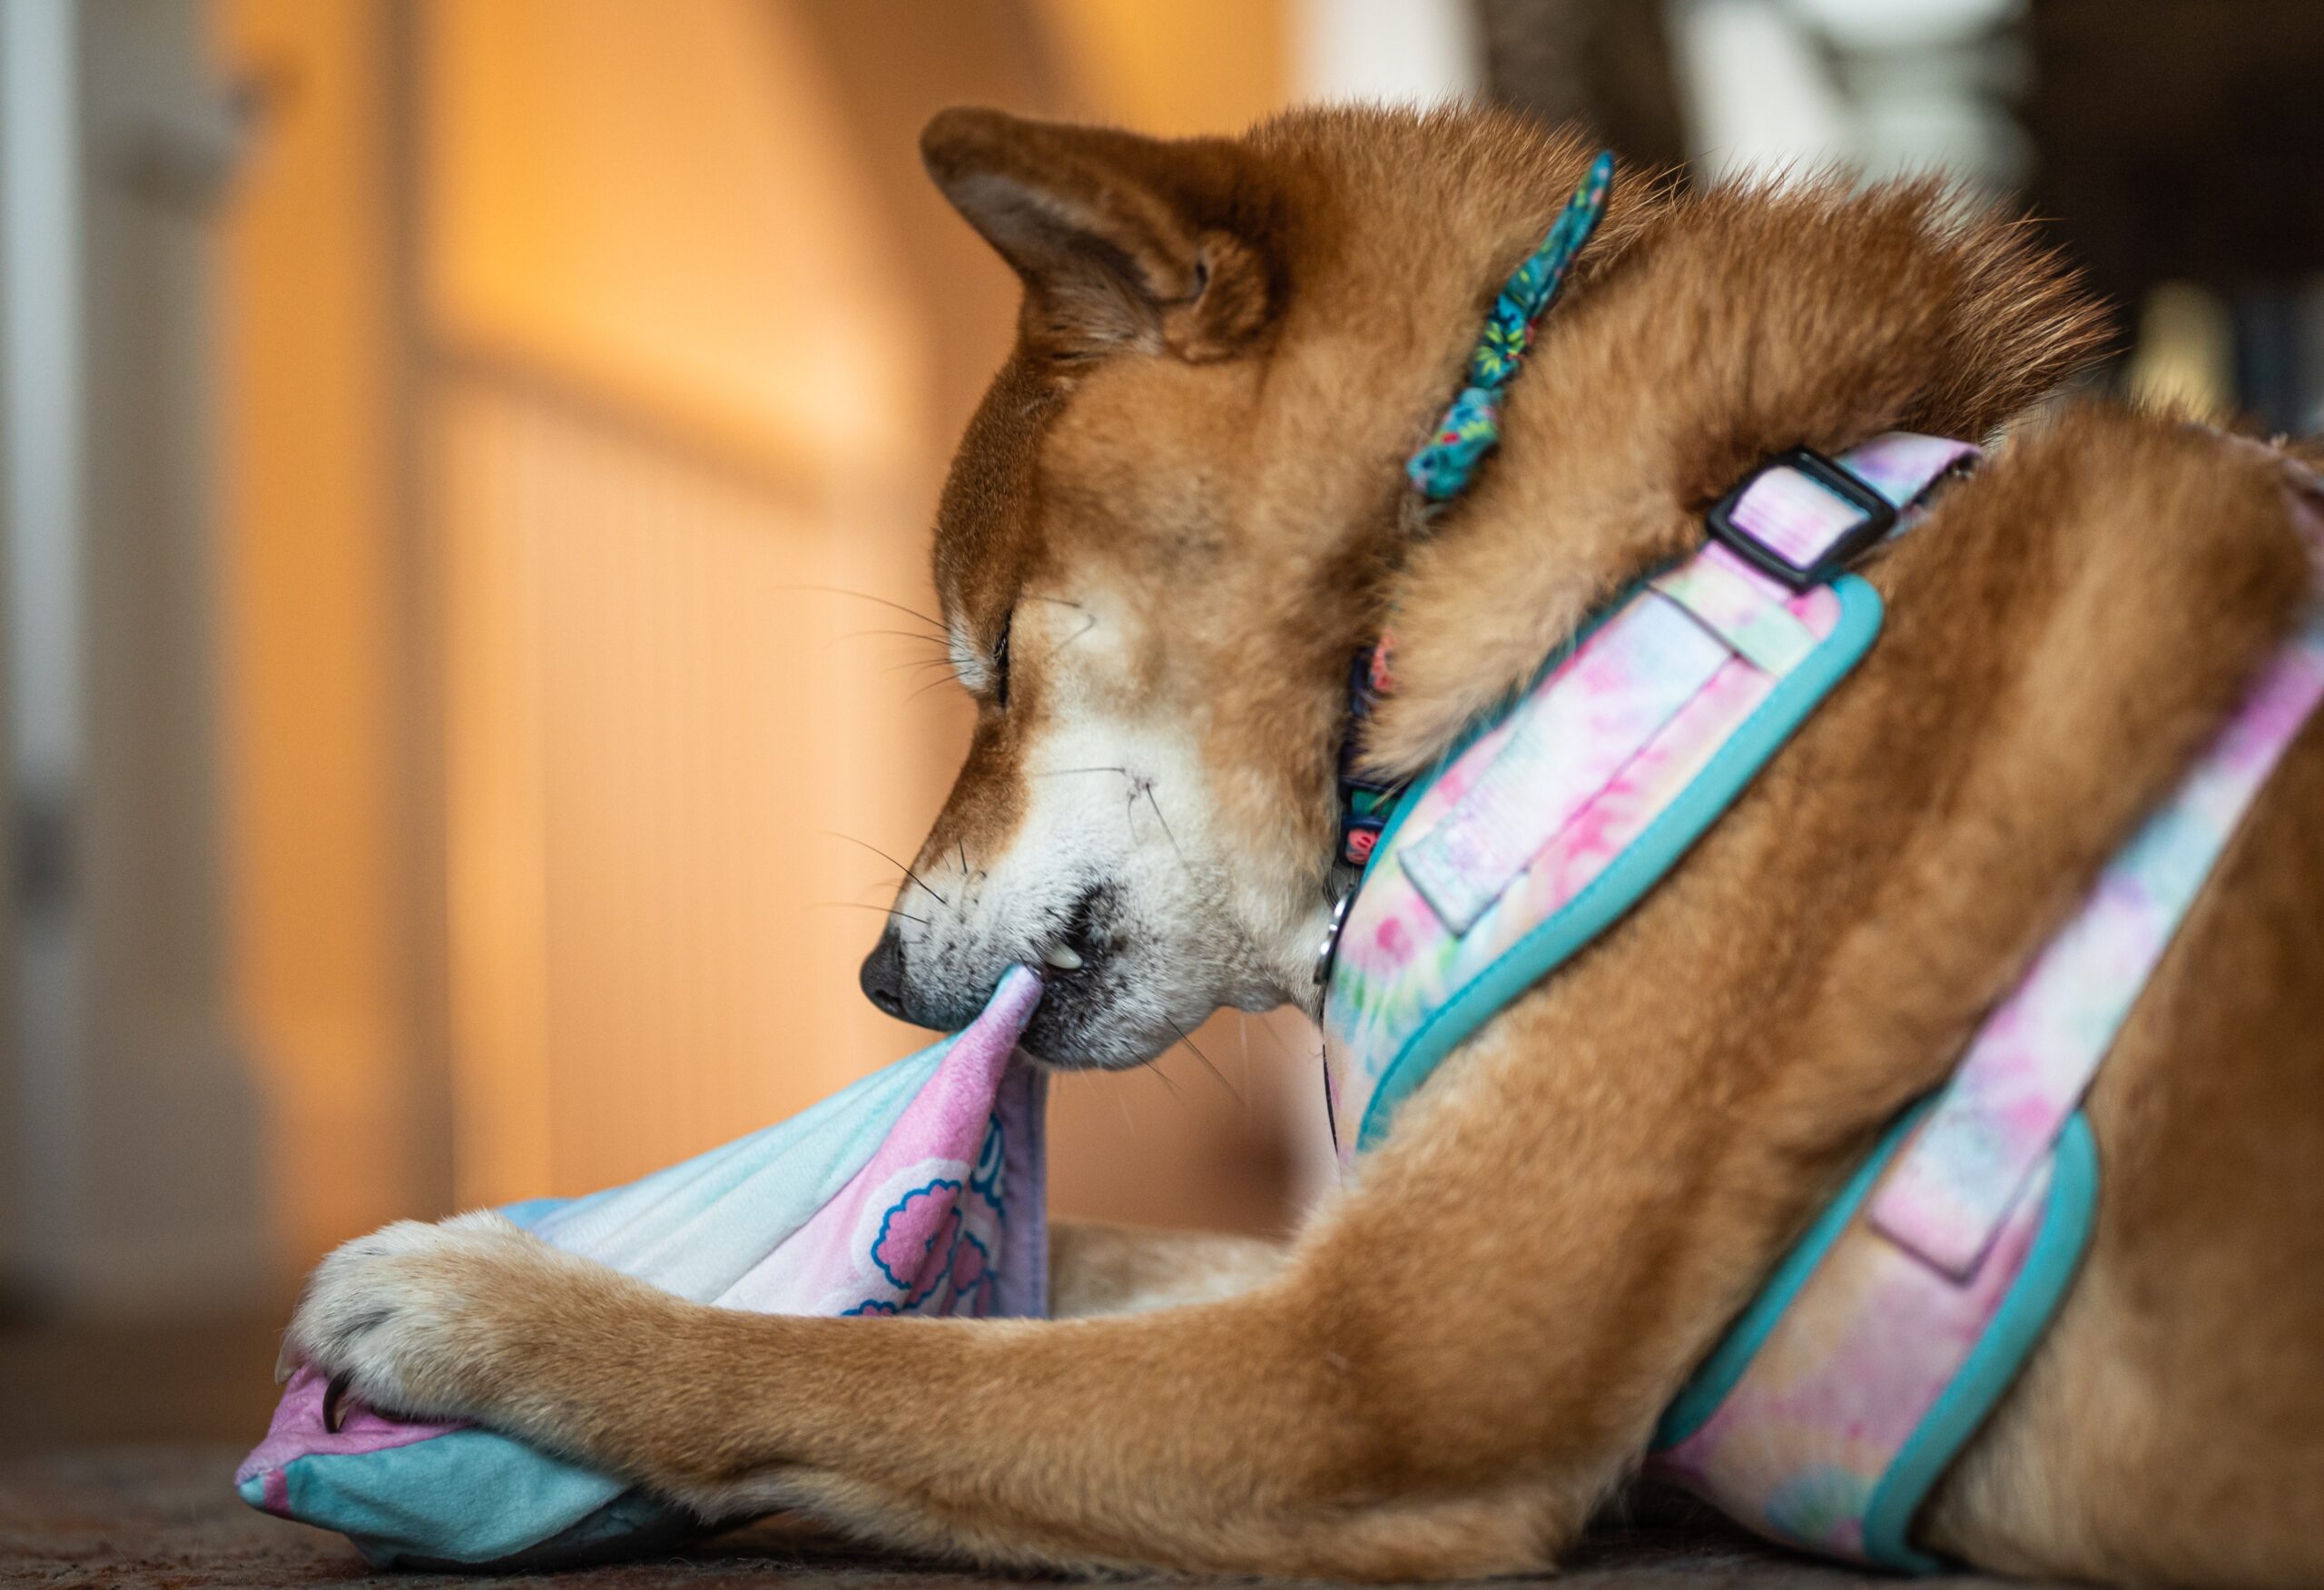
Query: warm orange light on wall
point(1177, 68)
point(659, 202)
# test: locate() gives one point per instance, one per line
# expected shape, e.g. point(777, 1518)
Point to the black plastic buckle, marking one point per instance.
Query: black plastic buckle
point(1880, 518)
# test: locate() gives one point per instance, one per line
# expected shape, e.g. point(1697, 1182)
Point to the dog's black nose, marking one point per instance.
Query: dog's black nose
point(883, 973)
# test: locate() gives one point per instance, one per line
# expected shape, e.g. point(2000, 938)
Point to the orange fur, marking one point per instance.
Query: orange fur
point(1626, 1148)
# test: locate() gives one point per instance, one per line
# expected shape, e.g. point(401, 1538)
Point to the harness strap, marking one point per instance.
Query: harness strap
point(1653, 660)
point(1882, 1340)
point(2034, 1059)
point(1724, 598)
point(1550, 822)
point(1661, 650)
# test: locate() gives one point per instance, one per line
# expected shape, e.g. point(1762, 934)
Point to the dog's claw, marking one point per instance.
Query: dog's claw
point(333, 1415)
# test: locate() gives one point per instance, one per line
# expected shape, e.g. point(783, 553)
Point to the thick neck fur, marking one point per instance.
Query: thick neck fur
point(1701, 334)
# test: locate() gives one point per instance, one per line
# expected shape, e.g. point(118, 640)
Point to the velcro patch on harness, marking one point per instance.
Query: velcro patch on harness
point(1731, 602)
point(1628, 680)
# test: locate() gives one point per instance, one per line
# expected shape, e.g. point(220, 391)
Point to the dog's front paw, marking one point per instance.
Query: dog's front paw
point(414, 1318)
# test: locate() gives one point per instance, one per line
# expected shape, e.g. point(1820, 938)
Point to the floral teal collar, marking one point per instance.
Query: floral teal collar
point(1442, 468)
point(1471, 428)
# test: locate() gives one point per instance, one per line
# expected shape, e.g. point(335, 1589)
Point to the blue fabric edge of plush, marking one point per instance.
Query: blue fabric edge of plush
point(342, 1491)
point(346, 1488)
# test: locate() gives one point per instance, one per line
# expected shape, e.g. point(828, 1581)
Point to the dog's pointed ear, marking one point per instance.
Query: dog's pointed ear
point(1123, 241)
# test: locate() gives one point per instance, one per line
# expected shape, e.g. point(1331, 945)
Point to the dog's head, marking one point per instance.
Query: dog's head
point(1176, 516)
point(1159, 549)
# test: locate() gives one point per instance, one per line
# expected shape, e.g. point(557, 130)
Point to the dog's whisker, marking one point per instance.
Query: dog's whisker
point(1145, 788)
point(892, 862)
point(1069, 639)
point(1159, 1075)
point(867, 905)
point(927, 636)
point(837, 590)
point(1187, 1040)
point(1289, 1054)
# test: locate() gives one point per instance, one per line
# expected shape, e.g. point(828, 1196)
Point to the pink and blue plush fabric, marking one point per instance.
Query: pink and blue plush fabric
point(918, 1190)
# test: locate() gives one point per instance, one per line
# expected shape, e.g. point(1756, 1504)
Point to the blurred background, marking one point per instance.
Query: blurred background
point(466, 465)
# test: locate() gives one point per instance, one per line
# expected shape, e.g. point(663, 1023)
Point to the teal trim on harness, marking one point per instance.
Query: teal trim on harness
point(2068, 1215)
point(1640, 865)
point(1717, 1374)
point(1404, 797)
point(2010, 1337)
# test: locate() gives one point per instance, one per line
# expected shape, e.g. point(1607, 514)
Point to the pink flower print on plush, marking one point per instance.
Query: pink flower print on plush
point(971, 1276)
point(914, 1245)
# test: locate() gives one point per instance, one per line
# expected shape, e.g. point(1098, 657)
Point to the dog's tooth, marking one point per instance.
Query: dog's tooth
point(1063, 957)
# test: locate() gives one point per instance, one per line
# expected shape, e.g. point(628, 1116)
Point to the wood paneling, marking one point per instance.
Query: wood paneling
point(676, 406)
point(1186, 67)
point(657, 727)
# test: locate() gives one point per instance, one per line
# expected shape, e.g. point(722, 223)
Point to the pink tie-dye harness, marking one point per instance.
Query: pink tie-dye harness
point(1883, 1339)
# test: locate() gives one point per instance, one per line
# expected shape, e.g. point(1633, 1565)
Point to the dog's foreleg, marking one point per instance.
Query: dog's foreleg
point(1251, 1434)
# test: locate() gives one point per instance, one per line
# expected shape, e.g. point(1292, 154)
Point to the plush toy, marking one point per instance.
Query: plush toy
point(918, 1190)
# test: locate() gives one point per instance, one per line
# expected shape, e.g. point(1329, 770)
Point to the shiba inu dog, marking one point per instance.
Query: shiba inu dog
point(1177, 515)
